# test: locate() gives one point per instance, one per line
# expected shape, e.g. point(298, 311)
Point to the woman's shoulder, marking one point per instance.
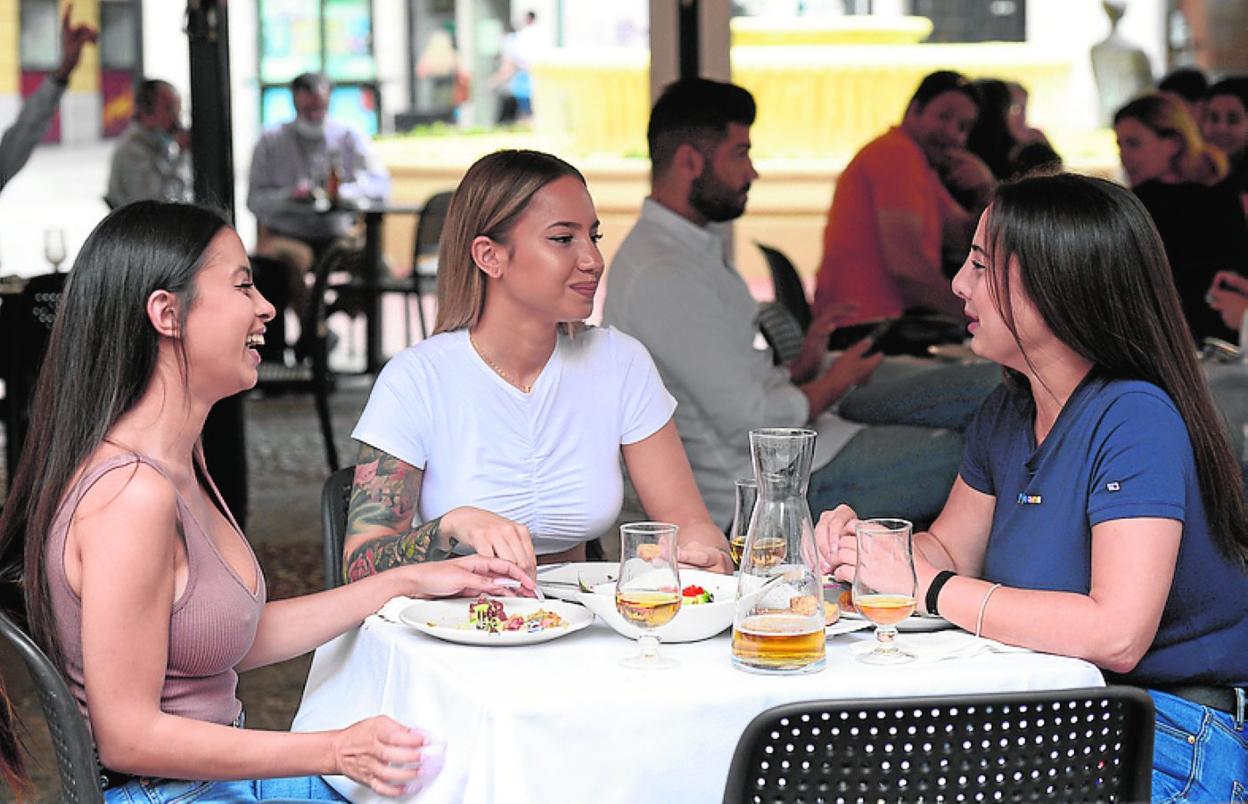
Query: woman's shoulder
point(604, 342)
point(430, 352)
point(121, 482)
point(1136, 403)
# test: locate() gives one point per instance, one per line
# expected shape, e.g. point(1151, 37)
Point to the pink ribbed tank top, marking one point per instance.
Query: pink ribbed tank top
point(211, 627)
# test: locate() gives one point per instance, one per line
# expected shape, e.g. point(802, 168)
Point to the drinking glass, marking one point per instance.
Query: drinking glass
point(54, 248)
point(885, 583)
point(777, 624)
point(647, 593)
point(746, 496)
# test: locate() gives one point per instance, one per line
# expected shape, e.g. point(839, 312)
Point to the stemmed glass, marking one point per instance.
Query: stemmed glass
point(54, 248)
point(746, 496)
point(885, 583)
point(647, 593)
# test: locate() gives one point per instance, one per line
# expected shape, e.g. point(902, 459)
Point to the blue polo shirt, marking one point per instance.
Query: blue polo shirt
point(1118, 450)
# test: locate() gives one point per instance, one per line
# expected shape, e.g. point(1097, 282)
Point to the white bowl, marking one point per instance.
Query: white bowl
point(691, 623)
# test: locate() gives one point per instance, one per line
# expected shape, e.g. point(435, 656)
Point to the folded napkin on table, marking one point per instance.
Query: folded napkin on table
point(938, 645)
point(394, 607)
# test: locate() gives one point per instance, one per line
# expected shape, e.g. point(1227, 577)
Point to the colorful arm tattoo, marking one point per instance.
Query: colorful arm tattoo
point(384, 498)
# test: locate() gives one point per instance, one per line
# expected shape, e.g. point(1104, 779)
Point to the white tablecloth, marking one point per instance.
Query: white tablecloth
point(564, 722)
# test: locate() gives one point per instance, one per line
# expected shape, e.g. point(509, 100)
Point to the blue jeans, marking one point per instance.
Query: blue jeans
point(924, 394)
point(890, 471)
point(175, 791)
point(1199, 753)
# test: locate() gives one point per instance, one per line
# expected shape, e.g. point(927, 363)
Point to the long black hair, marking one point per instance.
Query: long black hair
point(1092, 263)
point(100, 359)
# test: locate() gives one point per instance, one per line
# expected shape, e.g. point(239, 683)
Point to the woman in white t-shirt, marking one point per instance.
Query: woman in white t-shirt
point(502, 433)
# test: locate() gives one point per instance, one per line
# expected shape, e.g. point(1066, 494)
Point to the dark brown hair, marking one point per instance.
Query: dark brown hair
point(1092, 263)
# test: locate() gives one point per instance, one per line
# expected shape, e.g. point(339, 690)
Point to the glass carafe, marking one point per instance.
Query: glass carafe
point(778, 623)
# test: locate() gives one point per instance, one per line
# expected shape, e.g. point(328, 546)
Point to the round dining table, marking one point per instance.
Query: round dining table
point(563, 721)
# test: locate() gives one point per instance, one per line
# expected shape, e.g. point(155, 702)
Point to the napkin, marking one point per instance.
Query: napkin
point(939, 645)
point(394, 607)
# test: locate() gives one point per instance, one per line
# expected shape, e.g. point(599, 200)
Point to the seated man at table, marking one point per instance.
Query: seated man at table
point(892, 219)
point(296, 164)
point(151, 161)
point(672, 288)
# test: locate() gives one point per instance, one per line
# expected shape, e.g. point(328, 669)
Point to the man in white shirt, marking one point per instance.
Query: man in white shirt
point(671, 286)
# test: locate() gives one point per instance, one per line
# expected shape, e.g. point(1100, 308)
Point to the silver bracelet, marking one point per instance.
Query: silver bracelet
point(979, 621)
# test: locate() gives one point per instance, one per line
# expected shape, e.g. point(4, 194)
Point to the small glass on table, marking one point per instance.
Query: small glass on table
point(647, 593)
point(746, 496)
point(885, 584)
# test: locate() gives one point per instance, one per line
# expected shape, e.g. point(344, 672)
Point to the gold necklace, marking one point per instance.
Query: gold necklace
point(528, 389)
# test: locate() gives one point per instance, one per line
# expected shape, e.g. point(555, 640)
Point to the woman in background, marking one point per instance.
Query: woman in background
point(1225, 125)
point(1171, 170)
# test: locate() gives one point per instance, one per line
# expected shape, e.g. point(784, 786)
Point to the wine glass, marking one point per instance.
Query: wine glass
point(647, 593)
point(746, 496)
point(885, 583)
point(54, 247)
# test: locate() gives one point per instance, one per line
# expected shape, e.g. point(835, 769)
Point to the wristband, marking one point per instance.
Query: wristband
point(933, 590)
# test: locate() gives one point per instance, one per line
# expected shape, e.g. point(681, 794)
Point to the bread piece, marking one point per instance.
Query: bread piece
point(831, 612)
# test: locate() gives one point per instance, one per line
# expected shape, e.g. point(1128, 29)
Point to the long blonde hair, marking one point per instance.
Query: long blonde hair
point(492, 195)
point(1169, 119)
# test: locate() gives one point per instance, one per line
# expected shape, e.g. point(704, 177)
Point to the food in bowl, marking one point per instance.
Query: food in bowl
point(488, 614)
point(694, 595)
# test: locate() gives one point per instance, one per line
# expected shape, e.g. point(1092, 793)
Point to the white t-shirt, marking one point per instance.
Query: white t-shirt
point(549, 459)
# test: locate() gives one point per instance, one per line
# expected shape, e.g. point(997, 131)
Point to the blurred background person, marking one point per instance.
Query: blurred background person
point(1188, 86)
point(1001, 136)
point(305, 177)
point(892, 219)
point(1225, 125)
point(151, 161)
point(1170, 169)
point(32, 121)
point(514, 75)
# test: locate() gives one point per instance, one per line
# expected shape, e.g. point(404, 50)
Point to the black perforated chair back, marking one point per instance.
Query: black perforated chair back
point(335, 499)
point(75, 752)
point(787, 285)
point(25, 326)
point(781, 331)
point(428, 237)
point(1067, 745)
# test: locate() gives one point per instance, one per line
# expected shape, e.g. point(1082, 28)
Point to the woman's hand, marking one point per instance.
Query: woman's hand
point(467, 576)
point(1228, 295)
point(380, 753)
point(704, 557)
point(492, 536)
point(835, 540)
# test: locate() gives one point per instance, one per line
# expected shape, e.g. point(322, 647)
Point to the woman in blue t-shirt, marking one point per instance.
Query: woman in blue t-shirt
point(1099, 510)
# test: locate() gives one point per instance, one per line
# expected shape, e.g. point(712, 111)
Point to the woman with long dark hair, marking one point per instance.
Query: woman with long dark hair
point(136, 580)
point(1099, 511)
point(503, 433)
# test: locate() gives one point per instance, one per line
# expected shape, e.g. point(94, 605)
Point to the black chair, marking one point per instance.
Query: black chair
point(75, 751)
point(26, 322)
point(788, 287)
point(335, 499)
point(781, 331)
point(310, 373)
point(425, 255)
point(1091, 744)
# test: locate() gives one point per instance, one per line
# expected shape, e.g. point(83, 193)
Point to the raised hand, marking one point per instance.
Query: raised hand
point(1228, 296)
point(834, 532)
point(73, 38)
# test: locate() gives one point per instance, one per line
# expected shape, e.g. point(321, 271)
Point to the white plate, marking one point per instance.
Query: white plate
point(566, 575)
point(915, 622)
point(447, 619)
point(847, 625)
